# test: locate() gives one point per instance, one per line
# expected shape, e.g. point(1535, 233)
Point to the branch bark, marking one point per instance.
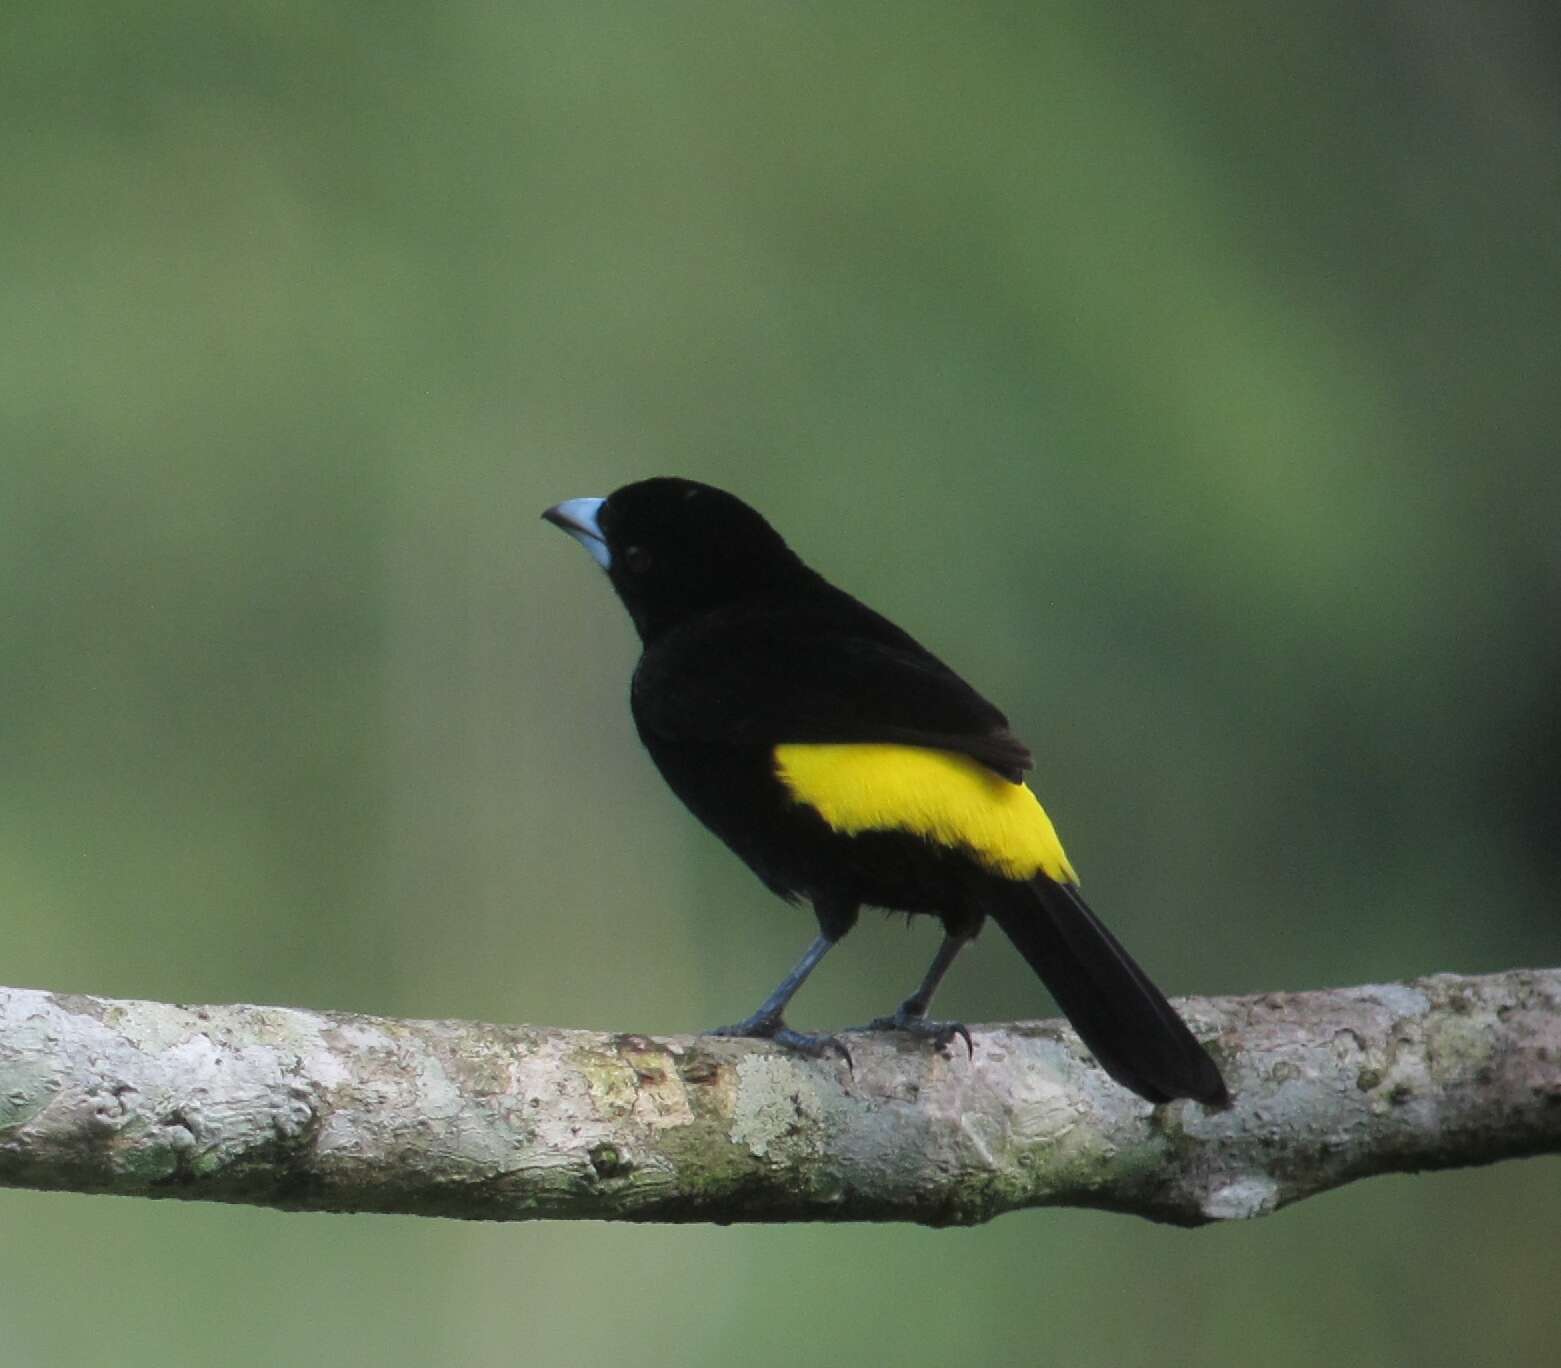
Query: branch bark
point(323, 1111)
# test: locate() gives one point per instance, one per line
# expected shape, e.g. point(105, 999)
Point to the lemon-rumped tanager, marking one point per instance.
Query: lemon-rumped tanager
point(847, 765)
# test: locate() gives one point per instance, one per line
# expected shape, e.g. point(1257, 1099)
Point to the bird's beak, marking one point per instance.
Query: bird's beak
point(578, 518)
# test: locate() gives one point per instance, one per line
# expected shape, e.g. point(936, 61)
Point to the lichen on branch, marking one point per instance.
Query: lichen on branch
point(325, 1111)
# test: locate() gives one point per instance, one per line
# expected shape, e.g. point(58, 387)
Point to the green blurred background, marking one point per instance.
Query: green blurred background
point(1186, 377)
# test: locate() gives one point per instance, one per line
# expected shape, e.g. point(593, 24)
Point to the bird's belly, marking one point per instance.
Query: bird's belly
point(740, 794)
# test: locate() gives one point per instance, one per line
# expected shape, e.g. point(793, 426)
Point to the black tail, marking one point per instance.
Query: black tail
point(1123, 1018)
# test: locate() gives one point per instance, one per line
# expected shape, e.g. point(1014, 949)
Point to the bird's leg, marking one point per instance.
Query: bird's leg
point(911, 1015)
point(769, 1013)
point(768, 1022)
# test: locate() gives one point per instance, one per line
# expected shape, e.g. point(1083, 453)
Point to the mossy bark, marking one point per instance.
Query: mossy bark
point(329, 1112)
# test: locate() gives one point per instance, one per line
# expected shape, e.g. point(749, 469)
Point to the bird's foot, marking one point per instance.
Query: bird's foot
point(759, 1027)
point(941, 1033)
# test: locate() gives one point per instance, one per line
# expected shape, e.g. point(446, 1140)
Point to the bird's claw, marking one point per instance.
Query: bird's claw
point(774, 1028)
point(941, 1033)
point(819, 1046)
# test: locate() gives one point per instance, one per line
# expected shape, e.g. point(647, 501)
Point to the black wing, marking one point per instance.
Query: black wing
point(827, 671)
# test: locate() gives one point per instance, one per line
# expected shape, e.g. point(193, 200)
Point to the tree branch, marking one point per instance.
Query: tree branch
point(323, 1111)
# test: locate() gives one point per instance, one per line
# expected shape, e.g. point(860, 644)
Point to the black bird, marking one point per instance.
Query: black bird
point(847, 765)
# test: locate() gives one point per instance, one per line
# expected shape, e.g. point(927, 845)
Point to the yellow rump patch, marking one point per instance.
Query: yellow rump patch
point(941, 795)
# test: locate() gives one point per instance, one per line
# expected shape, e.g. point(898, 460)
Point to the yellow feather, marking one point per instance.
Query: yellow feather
point(941, 795)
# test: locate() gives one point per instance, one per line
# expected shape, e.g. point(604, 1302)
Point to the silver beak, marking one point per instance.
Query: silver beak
point(578, 518)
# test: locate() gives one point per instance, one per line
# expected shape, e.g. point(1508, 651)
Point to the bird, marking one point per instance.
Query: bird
point(849, 767)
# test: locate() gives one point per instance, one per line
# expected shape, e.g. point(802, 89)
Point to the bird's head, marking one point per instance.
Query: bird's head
point(673, 548)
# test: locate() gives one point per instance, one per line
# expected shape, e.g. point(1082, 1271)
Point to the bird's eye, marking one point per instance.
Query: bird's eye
point(637, 558)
